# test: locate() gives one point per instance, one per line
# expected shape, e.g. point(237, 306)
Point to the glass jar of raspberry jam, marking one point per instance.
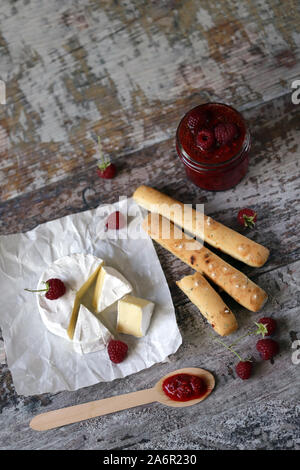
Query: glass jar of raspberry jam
point(213, 142)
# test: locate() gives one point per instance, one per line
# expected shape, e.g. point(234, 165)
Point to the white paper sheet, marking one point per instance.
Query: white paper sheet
point(41, 362)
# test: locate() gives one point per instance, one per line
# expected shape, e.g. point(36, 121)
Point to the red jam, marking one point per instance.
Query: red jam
point(213, 142)
point(184, 387)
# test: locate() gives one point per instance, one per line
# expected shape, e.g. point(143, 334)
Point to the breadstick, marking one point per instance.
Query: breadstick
point(210, 304)
point(235, 283)
point(214, 233)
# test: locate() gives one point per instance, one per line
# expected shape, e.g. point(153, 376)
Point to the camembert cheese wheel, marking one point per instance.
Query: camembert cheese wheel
point(78, 272)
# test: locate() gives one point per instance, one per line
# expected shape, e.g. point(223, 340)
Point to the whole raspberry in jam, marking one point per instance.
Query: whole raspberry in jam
point(225, 132)
point(243, 369)
point(205, 139)
point(117, 350)
point(267, 348)
point(270, 325)
point(194, 120)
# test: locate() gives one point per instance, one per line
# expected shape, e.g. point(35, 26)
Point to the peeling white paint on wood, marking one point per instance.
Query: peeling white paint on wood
point(139, 61)
point(128, 73)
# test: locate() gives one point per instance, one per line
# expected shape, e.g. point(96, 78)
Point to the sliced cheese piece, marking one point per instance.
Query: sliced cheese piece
point(90, 334)
point(77, 301)
point(110, 287)
point(73, 270)
point(134, 315)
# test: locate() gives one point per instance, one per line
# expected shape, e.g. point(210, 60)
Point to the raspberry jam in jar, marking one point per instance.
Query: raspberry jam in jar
point(213, 142)
point(184, 387)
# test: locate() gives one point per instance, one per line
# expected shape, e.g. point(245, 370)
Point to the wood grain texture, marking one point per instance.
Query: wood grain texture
point(236, 409)
point(128, 71)
point(76, 413)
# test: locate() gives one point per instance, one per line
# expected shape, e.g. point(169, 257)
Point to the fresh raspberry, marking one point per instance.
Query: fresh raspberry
point(205, 139)
point(267, 348)
point(117, 350)
point(270, 324)
point(115, 221)
point(55, 288)
point(243, 369)
point(107, 171)
point(225, 132)
point(247, 217)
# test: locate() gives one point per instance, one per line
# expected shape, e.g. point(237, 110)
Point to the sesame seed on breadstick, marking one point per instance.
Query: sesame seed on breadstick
point(200, 258)
point(210, 304)
point(214, 233)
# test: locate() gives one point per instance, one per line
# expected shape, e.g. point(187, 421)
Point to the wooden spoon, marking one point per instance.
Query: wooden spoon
point(73, 414)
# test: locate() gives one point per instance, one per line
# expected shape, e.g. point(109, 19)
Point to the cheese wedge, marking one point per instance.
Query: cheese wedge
point(134, 315)
point(74, 270)
point(110, 287)
point(77, 301)
point(90, 334)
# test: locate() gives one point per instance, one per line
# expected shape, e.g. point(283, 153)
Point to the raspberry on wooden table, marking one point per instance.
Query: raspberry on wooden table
point(244, 369)
point(267, 348)
point(247, 217)
point(270, 325)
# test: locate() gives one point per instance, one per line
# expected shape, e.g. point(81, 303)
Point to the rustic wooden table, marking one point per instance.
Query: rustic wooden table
point(127, 71)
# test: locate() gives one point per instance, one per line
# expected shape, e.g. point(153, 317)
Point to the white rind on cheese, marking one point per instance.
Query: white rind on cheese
point(90, 334)
point(110, 287)
point(73, 270)
point(83, 289)
point(134, 315)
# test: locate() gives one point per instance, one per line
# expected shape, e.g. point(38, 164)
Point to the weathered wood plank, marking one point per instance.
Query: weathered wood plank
point(230, 415)
point(128, 73)
point(271, 187)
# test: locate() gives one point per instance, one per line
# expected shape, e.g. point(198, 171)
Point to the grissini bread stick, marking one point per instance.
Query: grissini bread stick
point(210, 304)
point(235, 283)
point(218, 235)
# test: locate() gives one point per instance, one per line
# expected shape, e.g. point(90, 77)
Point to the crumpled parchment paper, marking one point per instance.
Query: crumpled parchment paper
point(41, 362)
